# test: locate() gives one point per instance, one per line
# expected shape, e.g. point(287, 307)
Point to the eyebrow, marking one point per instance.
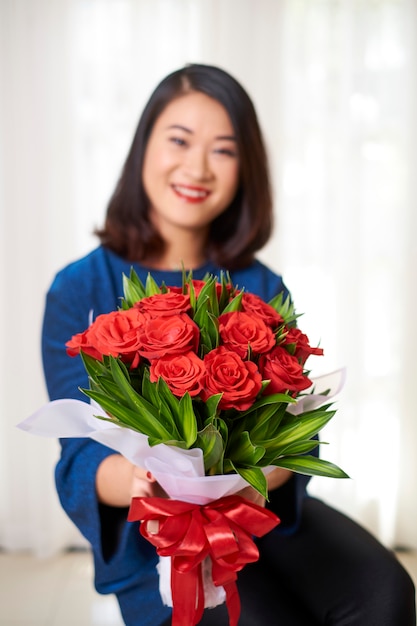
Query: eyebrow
point(190, 132)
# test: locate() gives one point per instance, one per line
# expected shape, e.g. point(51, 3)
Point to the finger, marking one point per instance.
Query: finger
point(152, 526)
point(140, 488)
point(142, 474)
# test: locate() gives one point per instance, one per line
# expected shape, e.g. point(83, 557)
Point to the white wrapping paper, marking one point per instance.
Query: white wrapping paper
point(178, 471)
point(213, 596)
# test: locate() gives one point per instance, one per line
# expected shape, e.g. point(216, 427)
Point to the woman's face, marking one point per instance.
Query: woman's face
point(191, 165)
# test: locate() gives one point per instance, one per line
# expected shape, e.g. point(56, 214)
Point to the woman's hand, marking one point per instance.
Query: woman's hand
point(249, 493)
point(278, 477)
point(118, 481)
point(145, 485)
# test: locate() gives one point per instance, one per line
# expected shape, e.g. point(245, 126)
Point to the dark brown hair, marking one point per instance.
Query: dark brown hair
point(245, 226)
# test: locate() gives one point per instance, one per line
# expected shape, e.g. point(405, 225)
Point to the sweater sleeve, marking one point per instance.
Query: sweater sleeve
point(122, 557)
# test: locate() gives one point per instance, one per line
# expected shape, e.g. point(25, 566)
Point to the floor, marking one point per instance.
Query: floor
point(53, 592)
point(59, 591)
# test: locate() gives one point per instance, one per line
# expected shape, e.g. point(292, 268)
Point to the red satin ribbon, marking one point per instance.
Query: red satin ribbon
point(188, 533)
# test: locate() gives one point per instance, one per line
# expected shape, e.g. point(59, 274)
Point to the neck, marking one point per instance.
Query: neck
point(185, 251)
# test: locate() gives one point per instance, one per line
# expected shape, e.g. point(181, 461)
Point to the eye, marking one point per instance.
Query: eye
point(230, 152)
point(178, 141)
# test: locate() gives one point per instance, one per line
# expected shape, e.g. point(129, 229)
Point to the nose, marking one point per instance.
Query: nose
point(197, 164)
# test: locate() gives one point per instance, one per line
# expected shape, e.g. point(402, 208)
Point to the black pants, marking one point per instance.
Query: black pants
point(330, 573)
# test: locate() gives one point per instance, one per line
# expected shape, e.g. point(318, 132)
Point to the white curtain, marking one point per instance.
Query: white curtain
point(346, 236)
point(334, 85)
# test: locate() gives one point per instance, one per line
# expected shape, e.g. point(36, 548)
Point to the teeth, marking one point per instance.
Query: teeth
point(192, 193)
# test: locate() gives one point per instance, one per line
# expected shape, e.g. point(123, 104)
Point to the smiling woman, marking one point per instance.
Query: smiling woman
point(325, 77)
point(195, 188)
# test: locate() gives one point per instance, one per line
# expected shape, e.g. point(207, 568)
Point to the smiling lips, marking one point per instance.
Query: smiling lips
point(190, 193)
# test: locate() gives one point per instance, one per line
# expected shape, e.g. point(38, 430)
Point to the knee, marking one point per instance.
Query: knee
point(393, 595)
point(377, 592)
point(401, 594)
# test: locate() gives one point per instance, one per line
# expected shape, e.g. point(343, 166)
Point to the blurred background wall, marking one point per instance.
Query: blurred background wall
point(334, 83)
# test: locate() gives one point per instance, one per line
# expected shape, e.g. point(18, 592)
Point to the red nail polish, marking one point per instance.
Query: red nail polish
point(148, 475)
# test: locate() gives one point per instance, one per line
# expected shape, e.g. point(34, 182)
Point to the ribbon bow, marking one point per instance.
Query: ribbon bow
point(188, 533)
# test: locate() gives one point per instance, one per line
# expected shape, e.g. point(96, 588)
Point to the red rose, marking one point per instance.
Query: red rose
point(284, 372)
point(254, 304)
point(181, 372)
point(302, 348)
point(80, 342)
point(173, 334)
point(170, 303)
point(238, 380)
point(240, 330)
point(117, 334)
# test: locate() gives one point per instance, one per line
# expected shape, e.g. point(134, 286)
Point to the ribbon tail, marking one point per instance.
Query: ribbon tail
point(232, 603)
point(187, 596)
point(200, 595)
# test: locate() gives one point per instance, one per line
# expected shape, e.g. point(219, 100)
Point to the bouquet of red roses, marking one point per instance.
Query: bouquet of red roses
point(207, 366)
point(206, 386)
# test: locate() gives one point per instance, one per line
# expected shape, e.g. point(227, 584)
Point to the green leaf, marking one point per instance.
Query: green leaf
point(292, 418)
point(142, 421)
point(285, 308)
point(109, 387)
point(228, 467)
point(208, 296)
point(120, 376)
point(212, 404)
point(191, 293)
point(265, 422)
point(242, 451)
point(235, 304)
point(311, 466)
point(133, 289)
point(227, 291)
point(300, 447)
point(211, 443)
point(159, 395)
point(187, 278)
point(274, 398)
point(255, 477)
point(212, 326)
point(223, 429)
point(170, 406)
point(134, 278)
point(207, 303)
point(146, 410)
point(151, 287)
point(314, 412)
point(188, 422)
point(93, 367)
point(303, 428)
point(203, 321)
point(150, 390)
point(165, 395)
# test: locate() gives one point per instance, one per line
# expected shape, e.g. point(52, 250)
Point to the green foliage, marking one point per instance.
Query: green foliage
point(285, 308)
point(243, 442)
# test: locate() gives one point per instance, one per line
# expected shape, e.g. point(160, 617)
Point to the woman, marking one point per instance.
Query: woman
point(195, 190)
